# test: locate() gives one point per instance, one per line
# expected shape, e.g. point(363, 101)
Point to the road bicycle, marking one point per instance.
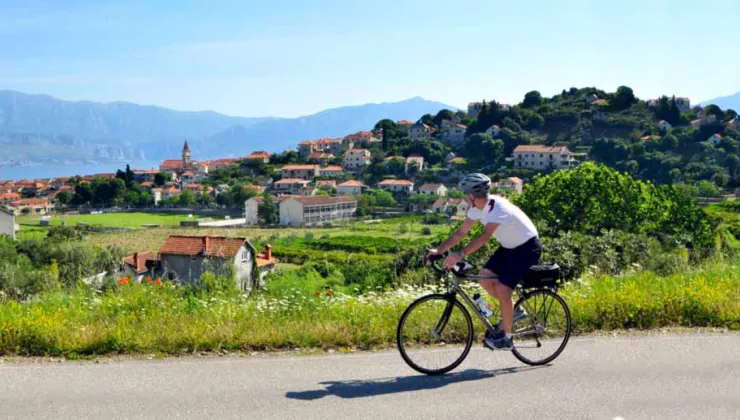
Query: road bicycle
point(435, 333)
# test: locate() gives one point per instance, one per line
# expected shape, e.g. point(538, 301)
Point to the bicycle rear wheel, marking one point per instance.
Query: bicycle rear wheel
point(542, 335)
point(434, 334)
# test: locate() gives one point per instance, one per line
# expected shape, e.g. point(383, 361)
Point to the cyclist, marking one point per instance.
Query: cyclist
point(520, 249)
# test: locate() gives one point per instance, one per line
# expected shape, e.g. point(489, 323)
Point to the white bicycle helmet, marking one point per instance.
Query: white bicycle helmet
point(476, 184)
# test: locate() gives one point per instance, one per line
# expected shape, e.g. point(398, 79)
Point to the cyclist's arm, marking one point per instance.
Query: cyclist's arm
point(481, 240)
point(457, 236)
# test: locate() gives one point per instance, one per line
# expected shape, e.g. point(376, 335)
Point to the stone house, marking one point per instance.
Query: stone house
point(186, 258)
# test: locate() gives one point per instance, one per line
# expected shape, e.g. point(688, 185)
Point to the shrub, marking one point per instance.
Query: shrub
point(426, 231)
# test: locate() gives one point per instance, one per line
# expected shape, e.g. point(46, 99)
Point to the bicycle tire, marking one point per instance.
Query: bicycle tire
point(452, 303)
point(568, 328)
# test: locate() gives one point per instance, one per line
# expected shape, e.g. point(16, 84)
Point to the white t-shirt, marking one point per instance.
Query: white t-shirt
point(515, 228)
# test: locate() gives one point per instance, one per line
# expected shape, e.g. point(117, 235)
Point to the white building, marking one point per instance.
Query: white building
point(433, 189)
point(7, 223)
point(543, 157)
point(511, 184)
point(454, 134)
point(420, 130)
point(494, 130)
point(331, 171)
point(664, 125)
point(357, 158)
point(417, 161)
point(715, 139)
point(397, 185)
point(251, 208)
point(451, 206)
point(351, 187)
point(303, 211)
point(289, 185)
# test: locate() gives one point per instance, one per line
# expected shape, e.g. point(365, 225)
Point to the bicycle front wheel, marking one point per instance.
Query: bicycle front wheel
point(435, 334)
point(542, 335)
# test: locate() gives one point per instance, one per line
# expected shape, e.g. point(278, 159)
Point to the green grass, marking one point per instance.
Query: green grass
point(110, 219)
point(150, 319)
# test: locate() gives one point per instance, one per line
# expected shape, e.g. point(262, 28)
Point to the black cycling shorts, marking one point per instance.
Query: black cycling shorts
point(511, 264)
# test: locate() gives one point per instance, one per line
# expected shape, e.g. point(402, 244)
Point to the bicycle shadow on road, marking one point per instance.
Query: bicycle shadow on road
point(374, 387)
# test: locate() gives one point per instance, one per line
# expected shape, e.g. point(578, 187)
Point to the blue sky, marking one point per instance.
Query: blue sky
point(290, 58)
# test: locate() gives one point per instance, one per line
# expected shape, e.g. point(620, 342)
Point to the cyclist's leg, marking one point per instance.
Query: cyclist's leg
point(488, 285)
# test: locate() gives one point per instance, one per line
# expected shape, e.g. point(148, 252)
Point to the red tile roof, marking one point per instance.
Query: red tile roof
point(139, 265)
point(291, 181)
point(352, 183)
point(405, 122)
point(298, 167)
point(430, 187)
point(171, 164)
point(541, 149)
point(10, 196)
point(258, 155)
point(31, 202)
point(331, 169)
point(208, 246)
point(401, 182)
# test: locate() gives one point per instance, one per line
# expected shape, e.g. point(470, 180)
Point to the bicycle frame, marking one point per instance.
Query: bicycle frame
point(455, 290)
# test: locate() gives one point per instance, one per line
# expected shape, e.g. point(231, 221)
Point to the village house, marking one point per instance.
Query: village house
point(326, 184)
point(454, 134)
point(219, 164)
point(186, 258)
point(251, 208)
point(513, 184)
point(259, 155)
point(307, 147)
point(196, 189)
point(33, 206)
point(682, 103)
point(474, 109)
point(457, 207)
point(543, 157)
point(420, 130)
point(362, 136)
point(308, 191)
point(734, 123)
point(704, 120)
point(351, 187)
point(9, 197)
point(357, 158)
point(493, 130)
point(403, 126)
point(7, 223)
point(321, 158)
point(414, 161)
point(433, 189)
point(138, 266)
point(144, 175)
point(716, 139)
point(304, 211)
point(305, 172)
point(289, 185)
point(331, 171)
point(397, 185)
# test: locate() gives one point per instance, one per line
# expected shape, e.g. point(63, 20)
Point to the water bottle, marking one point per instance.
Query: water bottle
point(485, 309)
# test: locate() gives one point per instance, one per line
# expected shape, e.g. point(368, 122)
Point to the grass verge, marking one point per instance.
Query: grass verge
point(166, 319)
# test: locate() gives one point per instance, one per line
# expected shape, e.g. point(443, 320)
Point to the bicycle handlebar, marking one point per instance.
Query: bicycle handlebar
point(462, 266)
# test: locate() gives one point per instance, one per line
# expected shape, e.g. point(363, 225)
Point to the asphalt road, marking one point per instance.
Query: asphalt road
point(672, 377)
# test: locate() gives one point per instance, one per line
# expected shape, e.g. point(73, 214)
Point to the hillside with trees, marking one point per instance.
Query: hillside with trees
point(616, 129)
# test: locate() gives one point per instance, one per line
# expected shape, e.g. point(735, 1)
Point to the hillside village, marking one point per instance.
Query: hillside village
point(401, 166)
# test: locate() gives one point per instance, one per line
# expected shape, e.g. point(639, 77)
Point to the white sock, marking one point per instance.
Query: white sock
point(508, 335)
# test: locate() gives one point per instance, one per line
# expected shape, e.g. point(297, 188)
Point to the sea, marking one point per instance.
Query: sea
point(15, 173)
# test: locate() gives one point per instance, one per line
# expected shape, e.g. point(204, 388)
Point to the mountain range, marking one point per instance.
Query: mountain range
point(726, 102)
point(43, 129)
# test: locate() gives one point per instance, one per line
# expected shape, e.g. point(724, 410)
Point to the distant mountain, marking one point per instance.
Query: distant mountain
point(43, 129)
point(726, 102)
point(278, 135)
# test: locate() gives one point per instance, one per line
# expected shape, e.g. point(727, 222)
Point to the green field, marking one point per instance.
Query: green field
point(110, 219)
